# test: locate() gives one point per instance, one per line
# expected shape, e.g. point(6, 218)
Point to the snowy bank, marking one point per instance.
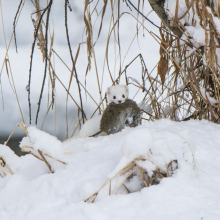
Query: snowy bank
point(192, 192)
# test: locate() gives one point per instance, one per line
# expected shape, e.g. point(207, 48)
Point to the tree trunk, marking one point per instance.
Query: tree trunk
point(158, 7)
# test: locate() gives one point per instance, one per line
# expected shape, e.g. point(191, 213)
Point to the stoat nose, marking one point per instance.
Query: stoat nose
point(119, 101)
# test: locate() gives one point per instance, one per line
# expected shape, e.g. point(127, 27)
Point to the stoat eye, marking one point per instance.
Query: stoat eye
point(114, 97)
point(123, 96)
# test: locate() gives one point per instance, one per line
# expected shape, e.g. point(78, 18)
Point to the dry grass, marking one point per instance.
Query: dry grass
point(174, 91)
point(4, 168)
point(127, 172)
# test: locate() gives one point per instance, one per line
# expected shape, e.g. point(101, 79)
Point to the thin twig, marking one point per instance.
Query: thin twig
point(32, 53)
point(46, 55)
point(19, 7)
point(73, 63)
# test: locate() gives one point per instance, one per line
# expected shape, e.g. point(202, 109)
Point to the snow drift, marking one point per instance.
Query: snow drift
point(32, 192)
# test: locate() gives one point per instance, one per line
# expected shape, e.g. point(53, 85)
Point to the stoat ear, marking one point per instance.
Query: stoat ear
point(126, 87)
point(108, 90)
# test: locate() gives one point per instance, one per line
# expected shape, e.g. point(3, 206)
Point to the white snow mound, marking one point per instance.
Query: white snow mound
point(192, 192)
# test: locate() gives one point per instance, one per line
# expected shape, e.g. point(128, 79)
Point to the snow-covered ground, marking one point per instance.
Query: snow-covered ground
point(192, 192)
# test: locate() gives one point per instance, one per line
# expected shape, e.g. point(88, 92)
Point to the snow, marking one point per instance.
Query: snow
point(192, 192)
point(167, 110)
point(206, 96)
point(91, 127)
point(192, 21)
point(40, 140)
point(8, 155)
point(145, 107)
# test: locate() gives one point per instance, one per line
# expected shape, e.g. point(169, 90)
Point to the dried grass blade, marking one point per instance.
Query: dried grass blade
point(103, 13)
point(142, 176)
point(162, 68)
point(48, 165)
point(128, 191)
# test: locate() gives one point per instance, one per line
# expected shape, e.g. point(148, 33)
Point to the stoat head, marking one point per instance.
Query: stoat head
point(117, 94)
